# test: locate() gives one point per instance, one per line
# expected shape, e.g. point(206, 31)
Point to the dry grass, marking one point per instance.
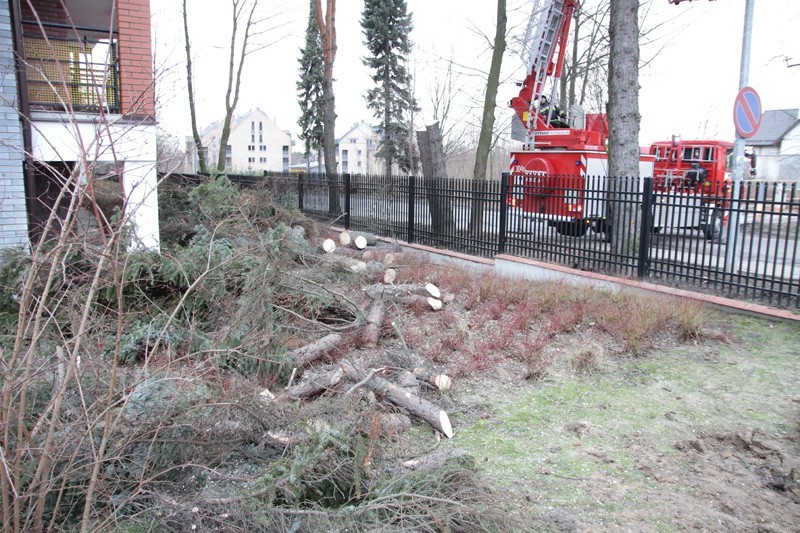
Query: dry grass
point(513, 319)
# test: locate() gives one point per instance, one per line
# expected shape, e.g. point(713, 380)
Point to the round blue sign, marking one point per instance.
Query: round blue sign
point(747, 112)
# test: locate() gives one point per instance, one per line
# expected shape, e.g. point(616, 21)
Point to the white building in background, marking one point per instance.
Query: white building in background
point(255, 144)
point(355, 150)
point(776, 145)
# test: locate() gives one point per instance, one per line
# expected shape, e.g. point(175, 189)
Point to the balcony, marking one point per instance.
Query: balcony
point(71, 68)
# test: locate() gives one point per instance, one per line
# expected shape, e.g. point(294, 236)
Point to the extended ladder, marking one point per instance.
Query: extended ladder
point(551, 30)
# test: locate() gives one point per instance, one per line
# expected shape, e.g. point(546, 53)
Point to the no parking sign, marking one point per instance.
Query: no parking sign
point(747, 112)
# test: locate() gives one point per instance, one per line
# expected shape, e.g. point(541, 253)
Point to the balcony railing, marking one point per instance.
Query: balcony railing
point(64, 71)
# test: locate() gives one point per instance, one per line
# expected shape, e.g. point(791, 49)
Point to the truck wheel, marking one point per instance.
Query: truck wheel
point(572, 229)
point(715, 231)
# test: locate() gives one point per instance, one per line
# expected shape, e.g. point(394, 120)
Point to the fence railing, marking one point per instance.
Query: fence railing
point(624, 227)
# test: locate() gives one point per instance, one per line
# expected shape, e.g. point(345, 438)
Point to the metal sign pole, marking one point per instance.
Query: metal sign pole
point(738, 146)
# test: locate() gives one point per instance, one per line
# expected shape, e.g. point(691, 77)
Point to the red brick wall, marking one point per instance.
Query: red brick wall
point(137, 94)
point(47, 11)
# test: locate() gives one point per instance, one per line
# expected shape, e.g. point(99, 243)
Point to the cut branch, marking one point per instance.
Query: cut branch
point(415, 405)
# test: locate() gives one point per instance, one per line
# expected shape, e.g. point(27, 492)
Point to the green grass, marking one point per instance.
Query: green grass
point(660, 399)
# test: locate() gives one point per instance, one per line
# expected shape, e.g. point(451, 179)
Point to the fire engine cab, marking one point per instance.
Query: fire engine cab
point(693, 179)
point(561, 173)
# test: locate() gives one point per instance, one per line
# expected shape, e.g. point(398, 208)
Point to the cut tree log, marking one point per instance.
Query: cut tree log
point(328, 246)
point(359, 239)
point(396, 291)
point(398, 258)
point(408, 381)
point(285, 438)
point(372, 332)
point(389, 276)
point(433, 290)
point(354, 265)
point(442, 382)
point(430, 413)
point(435, 304)
point(316, 350)
point(311, 387)
point(360, 242)
point(299, 232)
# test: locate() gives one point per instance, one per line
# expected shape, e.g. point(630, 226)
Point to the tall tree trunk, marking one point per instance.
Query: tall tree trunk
point(434, 171)
point(623, 121)
point(487, 123)
point(327, 29)
point(198, 142)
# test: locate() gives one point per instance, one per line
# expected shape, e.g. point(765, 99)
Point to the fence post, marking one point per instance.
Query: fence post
point(300, 191)
point(642, 268)
point(347, 200)
point(412, 190)
point(501, 239)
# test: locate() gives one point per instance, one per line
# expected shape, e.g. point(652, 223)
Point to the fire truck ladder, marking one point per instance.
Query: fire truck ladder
point(542, 47)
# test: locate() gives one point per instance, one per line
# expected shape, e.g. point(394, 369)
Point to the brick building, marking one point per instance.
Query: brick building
point(78, 99)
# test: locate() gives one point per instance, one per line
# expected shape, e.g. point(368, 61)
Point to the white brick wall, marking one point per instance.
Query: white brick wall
point(13, 218)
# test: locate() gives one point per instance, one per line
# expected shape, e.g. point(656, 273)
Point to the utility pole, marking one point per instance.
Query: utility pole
point(738, 146)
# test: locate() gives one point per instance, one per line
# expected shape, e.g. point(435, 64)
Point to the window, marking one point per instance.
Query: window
point(260, 138)
point(344, 155)
point(253, 125)
point(252, 137)
point(262, 148)
point(286, 159)
point(251, 159)
point(262, 159)
point(251, 147)
point(228, 151)
point(260, 126)
point(359, 164)
point(353, 140)
point(359, 153)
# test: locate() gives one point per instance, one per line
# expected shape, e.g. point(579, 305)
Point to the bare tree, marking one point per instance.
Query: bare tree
point(241, 9)
point(587, 66)
point(198, 142)
point(487, 123)
point(443, 91)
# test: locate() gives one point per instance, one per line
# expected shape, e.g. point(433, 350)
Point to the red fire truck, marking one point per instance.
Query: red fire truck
point(693, 179)
point(560, 175)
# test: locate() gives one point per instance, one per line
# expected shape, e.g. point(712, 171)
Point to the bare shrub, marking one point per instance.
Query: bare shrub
point(587, 358)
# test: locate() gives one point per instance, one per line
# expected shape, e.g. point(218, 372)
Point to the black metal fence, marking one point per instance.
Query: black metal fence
point(745, 248)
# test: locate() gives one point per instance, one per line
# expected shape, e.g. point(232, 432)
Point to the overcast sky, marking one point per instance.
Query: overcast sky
point(687, 87)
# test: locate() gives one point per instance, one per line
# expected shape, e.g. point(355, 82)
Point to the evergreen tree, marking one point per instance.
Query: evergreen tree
point(386, 25)
point(310, 87)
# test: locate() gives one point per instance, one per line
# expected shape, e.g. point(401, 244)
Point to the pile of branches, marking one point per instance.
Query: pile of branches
point(237, 380)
